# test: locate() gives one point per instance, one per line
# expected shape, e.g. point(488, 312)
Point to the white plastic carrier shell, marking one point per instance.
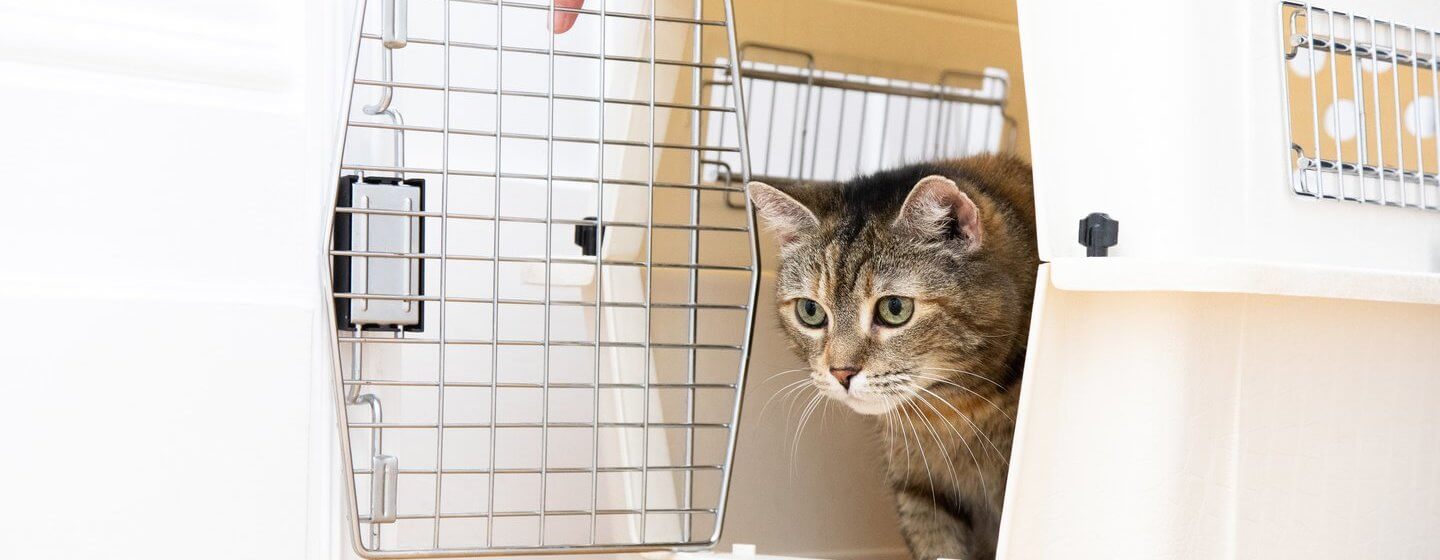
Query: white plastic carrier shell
point(1250, 373)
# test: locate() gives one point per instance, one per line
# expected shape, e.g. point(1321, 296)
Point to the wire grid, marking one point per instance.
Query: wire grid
point(550, 400)
point(811, 124)
point(1362, 107)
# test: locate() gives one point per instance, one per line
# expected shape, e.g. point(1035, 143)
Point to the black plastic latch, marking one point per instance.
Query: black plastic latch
point(1098, 233)
point(374, 180)
point(586, 238)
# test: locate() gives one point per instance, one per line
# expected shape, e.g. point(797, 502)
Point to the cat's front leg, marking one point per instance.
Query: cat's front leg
point(930, 531)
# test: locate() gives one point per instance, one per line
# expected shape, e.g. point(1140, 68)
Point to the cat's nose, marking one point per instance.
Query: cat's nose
point(843, 375)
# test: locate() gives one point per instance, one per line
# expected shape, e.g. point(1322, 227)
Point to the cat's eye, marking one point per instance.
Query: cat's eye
point(809, 312)
point(893, 311)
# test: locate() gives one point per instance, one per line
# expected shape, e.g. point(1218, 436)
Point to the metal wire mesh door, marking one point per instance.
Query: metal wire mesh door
point(542, 308)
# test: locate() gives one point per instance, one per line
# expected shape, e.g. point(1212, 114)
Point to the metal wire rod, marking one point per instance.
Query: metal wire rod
point(1378, 53)
point(600, 12)
point(599, 281)
point(688, 484)
point(538, 513)
point(562, 260)
point(444, 248)
point(1352, 169)
point(551, 139)
point(564, 53)
point(579, 343)
point(520, 385)
point(510, 425)
point(495, 268)
point(528, 220)
point(556, 470)
point(649, 290)
point(573, 303)
point(922, 91)
point(542, 95)
point(569, 179)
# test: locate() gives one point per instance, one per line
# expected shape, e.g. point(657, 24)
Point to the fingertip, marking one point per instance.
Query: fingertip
point(565, 20)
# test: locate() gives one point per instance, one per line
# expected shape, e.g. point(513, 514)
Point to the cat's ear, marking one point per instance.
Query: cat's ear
point(787, 217)
point(936, 208)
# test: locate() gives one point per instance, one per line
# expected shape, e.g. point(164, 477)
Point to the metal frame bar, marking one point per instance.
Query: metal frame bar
point(532, 94)
point(599, 285)
point(570, 179)
point(561, 53)
point(495, 267)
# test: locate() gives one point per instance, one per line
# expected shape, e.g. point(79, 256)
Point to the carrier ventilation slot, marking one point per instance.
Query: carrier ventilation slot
point(568, 370)
point(1362, 103)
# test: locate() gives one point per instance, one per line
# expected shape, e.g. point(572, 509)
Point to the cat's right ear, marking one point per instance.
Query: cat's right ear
point(787, 217)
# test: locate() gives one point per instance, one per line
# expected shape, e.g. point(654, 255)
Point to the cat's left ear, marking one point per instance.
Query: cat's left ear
point(787, 217)
point(936, 208)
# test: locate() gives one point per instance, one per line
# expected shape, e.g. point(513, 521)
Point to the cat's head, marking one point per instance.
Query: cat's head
point(894, 285)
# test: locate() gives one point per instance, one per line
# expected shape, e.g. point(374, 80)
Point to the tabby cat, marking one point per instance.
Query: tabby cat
point(908, 293)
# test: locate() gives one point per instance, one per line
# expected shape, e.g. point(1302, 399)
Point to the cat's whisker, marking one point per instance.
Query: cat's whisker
point(820, 400)
point(967, 389)
point(900, 427)
point(794, 397)
point(944, 449)
point(790, 394)
point(980, 472)
point(920, 445)
point(800, 431)
point(971, 374)
point(975, 459)
point(996, 335)
point(889, 424)
point(794, 436)
point(778, 374)
point(968, 420)
point(783, 390)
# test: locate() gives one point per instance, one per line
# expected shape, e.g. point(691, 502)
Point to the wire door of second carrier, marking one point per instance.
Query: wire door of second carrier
point(808, 124)
point(542, 307)
point(1362, 107)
